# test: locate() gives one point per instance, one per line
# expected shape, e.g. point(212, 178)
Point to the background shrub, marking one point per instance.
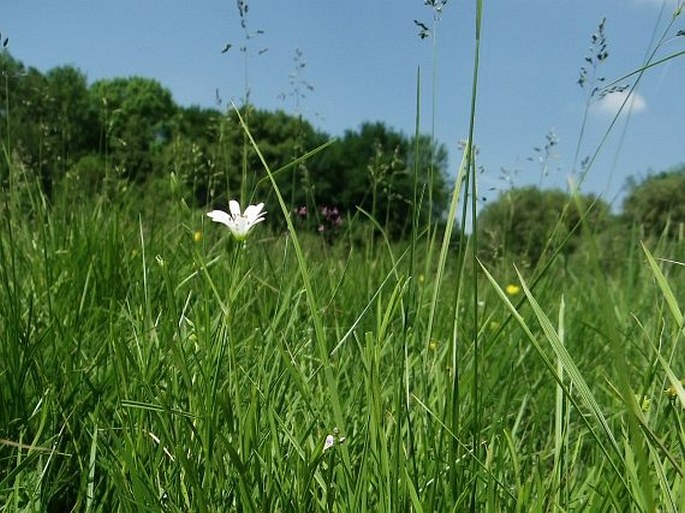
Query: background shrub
point(658, 202)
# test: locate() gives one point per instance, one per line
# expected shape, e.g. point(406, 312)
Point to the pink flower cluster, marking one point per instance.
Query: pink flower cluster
point(329, 217)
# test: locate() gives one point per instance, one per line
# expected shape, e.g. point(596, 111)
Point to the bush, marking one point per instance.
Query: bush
point(524, 223)
point(657, 204)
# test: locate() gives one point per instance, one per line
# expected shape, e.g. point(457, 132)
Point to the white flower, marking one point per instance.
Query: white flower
point(328, 443)
point(332, 440)
point(239, 224)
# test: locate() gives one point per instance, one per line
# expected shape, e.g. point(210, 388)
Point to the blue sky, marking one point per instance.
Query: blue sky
point(362, 59)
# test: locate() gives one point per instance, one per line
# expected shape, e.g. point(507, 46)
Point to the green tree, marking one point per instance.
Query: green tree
point(59, 127)
point(281, 138)
point(214, 158)
point(372, 168)
point(136, 118)
point(71, 113)
point(658, 202)
point(523, 222)
point(25, 133)
point(48, 121)
point(194, 152)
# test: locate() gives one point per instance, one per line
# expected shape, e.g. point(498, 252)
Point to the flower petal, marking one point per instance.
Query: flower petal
point(219, 216)
point(239, 224)
point(252, 212)
point(234, 207)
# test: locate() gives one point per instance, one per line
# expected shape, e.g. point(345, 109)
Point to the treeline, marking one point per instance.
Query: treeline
point(85, 136)
point(530, 224)
point(82, 139)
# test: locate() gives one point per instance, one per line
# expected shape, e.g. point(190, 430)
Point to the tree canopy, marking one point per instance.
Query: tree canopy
point(658, 202)
point(48, 118)
point(64, 130)
point(132, 127)
point(136, 115)
point(525, 222)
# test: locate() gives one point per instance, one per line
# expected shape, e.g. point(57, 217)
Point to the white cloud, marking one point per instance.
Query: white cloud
point(612, 102)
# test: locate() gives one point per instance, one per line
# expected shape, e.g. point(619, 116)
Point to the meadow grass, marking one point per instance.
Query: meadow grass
point(150, 363)
point(148, 368)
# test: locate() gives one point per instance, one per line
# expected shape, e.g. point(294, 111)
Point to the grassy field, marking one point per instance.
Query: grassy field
point(148, 362)
point(151, 363)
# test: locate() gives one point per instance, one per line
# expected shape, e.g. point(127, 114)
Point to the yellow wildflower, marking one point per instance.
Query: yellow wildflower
point(672, 392)
point(512, 289)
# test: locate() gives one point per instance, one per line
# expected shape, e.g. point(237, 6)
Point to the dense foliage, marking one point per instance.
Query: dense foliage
point(658, 203)
point(528, 222)
point(131, 129)
point(136, 114)
point(90, 138)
